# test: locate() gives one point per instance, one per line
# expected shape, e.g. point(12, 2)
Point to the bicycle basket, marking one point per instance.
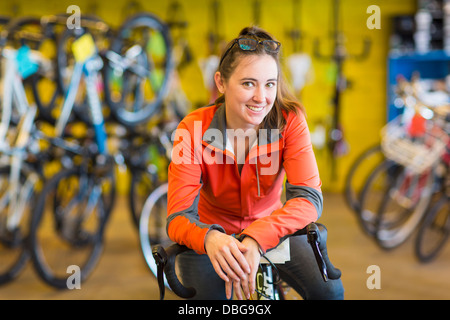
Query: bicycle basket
point(415, 153)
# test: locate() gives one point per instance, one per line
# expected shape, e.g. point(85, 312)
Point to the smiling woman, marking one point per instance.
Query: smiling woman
point(230, 211)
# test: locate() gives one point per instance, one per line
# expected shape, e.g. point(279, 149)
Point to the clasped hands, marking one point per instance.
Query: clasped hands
point(235, 262)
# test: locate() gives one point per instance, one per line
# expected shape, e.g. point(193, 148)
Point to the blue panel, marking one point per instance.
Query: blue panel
point(433, 65)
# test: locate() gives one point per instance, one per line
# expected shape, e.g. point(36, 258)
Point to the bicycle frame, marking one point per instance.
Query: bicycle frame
point(266, 286)
point(12, 89)
point(90, 70)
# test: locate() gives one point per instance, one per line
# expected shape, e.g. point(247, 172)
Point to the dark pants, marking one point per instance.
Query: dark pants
point(300, 273)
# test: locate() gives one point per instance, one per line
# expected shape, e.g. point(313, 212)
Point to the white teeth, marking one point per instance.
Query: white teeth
point(255, 108)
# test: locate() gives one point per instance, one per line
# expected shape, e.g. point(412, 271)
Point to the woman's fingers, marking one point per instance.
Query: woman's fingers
point(218, 269)
point(240, 263)
point(253, 257)
point(228, 258)
point(237, 289)
point(223, 269)
point(228, 289)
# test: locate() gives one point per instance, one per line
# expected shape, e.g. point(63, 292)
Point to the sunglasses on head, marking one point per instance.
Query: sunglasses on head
point(248, 44)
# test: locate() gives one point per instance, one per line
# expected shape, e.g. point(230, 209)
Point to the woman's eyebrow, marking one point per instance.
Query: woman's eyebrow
point(253, 79)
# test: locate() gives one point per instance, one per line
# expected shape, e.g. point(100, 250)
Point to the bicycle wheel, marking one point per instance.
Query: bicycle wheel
point(152, 226)
point(143, 182)
point(23, 31)
point(358, 174)
point(148, 165)
point(434, 231)
point(372, 194)
point(393, 203)
point(13, 252)
point(45, 85)
point(136, 75)
point(67, 226)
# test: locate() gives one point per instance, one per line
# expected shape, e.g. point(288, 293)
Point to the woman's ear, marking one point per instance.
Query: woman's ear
point(219, 82)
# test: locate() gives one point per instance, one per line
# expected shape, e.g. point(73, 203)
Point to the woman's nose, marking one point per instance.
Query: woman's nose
point(259, 95)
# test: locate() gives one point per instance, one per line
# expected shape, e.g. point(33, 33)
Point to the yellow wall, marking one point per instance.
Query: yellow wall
point(363, 105)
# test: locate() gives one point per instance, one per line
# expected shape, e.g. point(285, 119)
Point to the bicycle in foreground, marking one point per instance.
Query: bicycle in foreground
point(269, 286)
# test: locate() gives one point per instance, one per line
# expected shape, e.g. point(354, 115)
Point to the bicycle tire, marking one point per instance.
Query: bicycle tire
point(28, 31)
point(146, 236)
point(369, 200)
point(14, 241)
point(45, 85)
point(390, 232)
point(70, 234)
point(4, 20)
point(143, 183)
point(138, 105)
point(388, 237)
point(437, 219)
point(148, 164)
point(20, 31)
point(366, 162)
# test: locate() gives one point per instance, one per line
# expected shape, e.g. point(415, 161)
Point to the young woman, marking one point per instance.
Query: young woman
point(226, 176)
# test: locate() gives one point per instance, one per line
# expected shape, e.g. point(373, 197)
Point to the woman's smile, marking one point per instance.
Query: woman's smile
point(256, 109)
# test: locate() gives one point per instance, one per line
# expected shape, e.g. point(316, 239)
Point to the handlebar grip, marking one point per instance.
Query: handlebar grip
point(160, 256)
point(169, 269)
point(314, 236)
point(333, 272)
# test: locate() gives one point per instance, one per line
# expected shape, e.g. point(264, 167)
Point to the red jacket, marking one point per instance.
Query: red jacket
point(207, 191)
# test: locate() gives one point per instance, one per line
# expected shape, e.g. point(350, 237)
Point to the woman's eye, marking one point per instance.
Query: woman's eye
point(248, 84)
point(270, 84)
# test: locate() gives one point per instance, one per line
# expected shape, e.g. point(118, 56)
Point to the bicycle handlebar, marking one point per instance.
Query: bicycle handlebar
point(165, 261)
point(319, 247)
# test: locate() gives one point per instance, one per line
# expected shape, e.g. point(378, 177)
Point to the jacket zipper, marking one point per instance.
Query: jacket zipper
point(257, 179)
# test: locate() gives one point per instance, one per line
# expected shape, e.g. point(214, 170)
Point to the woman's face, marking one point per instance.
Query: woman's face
point(250, 91)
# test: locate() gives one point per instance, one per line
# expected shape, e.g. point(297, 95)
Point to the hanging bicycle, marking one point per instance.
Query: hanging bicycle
point(69, 220)
point(136, 75)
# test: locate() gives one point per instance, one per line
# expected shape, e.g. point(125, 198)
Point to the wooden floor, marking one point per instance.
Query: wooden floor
point(123, 274)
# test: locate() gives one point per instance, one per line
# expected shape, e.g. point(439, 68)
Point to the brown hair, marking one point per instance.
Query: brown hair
point(284, 100)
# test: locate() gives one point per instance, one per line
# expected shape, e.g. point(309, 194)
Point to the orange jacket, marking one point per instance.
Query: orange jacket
point(206, 190)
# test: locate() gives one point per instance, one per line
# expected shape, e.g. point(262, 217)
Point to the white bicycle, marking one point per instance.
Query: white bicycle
point(18, 176)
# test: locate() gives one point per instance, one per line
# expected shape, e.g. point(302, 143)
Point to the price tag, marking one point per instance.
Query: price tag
point(83, 48)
